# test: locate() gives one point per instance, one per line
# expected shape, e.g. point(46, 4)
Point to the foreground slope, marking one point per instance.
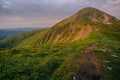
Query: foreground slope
point(85, 46)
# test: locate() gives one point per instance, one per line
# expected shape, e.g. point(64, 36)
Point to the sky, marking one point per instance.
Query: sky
point(46, 13)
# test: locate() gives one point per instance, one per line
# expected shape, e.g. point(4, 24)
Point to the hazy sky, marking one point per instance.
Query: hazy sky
point(45, 13)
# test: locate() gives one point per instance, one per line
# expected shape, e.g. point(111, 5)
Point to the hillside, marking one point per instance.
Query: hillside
point(85, 46)
point(81, 25)
point(14, 40)
point(84, 23)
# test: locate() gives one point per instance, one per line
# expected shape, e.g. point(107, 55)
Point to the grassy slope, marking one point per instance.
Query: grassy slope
point(77, 27)
point(13, 41)
point(34, 40)
point(94, 58)
point(16, 63)
point(64, 61)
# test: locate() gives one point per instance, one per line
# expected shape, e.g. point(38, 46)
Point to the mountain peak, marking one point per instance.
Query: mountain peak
point(77, 27)
point(89, 8)
point(94, 15)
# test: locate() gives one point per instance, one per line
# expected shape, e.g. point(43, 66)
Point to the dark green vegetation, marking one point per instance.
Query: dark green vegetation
point(85, 46)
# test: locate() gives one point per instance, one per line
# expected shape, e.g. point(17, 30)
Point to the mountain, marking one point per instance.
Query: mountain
point(80, 25)
point(77, 27)
point(85, 46)
point(23, 29)
point(13, 31)
point(4, 33)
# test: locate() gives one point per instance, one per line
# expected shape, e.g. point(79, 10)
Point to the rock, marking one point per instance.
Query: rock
point(110, 68)
point(106, 61)
point(86, 51)
point(74, 78)
point(113, 55)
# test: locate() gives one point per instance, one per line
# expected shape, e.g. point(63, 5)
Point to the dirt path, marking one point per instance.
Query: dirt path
point(92, 69)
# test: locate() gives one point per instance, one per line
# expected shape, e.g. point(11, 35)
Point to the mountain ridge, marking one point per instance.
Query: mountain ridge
point(78, 21)
point(76, 27)
point(77, 48)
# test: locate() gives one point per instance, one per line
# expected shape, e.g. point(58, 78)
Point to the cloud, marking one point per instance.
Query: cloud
point(48, 11)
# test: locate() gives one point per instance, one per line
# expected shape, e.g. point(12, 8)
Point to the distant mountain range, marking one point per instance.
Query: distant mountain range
point(22, 29)
point(4, 34)
point(13, 31)
point(85, 46)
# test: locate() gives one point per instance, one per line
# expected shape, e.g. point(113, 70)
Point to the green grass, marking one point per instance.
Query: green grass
point(37, 63)
point(60, 61)
point(36, 56)
point(57, 61)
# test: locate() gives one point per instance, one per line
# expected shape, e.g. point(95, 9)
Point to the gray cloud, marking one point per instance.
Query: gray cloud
point(21, 13)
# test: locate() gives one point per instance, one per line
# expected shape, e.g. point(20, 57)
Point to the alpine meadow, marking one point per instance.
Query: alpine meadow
point(84, 46)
